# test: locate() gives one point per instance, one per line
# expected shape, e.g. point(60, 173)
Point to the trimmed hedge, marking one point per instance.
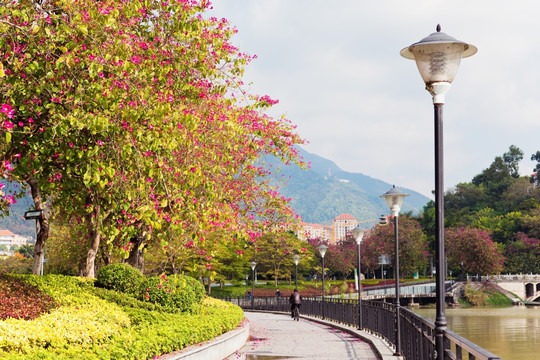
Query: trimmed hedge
point(119, 277)
point(172, 292)
point(95, 323)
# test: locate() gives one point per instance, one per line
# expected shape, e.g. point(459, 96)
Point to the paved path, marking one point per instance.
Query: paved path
point(277, 336)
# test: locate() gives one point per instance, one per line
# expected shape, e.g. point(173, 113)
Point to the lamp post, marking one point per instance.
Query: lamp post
point(247, 278)
point(296, 259)
point(253, 264)
point(358, 235)
point(322, 250)
point(36, 214)
point(437, 57)
point(394, 199)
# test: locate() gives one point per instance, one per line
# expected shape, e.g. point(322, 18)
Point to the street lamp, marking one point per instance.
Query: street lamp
point(394, 199)
point(322, 250)
point(253, 264)
point(437, 58)
point(296, 259)
point(358, 234)
point(247, 278)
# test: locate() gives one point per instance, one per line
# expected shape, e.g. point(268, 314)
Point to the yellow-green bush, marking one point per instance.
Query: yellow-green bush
point(94, 323)
point(83, 323)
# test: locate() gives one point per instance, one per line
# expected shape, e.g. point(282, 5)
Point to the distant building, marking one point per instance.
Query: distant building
point(313, 231)
point(8, 238)
point(341, 225)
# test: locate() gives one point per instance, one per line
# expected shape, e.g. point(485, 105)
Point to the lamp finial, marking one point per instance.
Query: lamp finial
point(438, 27)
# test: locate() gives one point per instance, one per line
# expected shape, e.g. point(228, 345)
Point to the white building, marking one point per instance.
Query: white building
point(8, 238)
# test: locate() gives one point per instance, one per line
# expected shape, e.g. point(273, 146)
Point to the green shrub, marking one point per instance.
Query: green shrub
point(172, 292)
point(120, 277)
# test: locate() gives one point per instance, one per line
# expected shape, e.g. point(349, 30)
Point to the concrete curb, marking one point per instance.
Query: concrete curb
point(380, 346)
point(218, 348)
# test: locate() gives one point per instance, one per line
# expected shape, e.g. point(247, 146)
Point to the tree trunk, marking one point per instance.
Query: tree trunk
point(209, 286)
point(93, 223)
point(43, 234)
point(135, 253)
point(92, 252)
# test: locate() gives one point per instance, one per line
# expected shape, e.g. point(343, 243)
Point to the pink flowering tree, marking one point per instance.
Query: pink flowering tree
point(126, 116)
point(472, 250)
point(342, 257)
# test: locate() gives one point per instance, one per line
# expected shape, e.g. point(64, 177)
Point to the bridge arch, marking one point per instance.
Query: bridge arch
point(529, 290)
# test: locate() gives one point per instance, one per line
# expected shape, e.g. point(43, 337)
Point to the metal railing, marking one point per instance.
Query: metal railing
point(378, 318)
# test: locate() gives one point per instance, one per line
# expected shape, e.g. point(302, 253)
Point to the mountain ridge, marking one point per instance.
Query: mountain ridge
point(325, 191)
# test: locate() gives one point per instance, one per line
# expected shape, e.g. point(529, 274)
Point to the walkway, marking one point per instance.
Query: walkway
point(277, 336)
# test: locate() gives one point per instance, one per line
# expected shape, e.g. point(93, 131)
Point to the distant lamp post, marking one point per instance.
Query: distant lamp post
point(322, 250)
point(296, 259)
point(247, 278)
point(437, 58)
point(358, 234)
point(394, 199)
point(253, 264)
point(36, 215)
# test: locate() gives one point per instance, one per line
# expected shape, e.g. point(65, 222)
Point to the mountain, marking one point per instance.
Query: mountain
point(325, 191)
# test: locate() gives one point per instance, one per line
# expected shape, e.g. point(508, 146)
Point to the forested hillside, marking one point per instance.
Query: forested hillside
point(324, 191)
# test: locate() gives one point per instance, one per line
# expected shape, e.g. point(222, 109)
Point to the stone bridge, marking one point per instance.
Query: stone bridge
point(525, 286)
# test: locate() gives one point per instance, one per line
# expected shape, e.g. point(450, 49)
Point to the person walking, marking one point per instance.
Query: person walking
point(296, 301)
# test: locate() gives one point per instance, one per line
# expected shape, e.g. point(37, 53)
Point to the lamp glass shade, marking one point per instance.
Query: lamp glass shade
point(296, 259)
point(322, 249)
point(394, 199)
point(438, 55)
point(253, 264)
point(358, 234)
point(438, 62)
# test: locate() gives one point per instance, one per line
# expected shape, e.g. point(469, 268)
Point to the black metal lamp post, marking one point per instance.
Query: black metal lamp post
point(437, 58)
point(322, 250)
point(36, 215)
point(296, 259)
point(358, 235)
point(394, 199)
point(253, 264)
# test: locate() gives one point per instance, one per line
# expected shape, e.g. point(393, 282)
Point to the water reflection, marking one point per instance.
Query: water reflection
point(513, 333)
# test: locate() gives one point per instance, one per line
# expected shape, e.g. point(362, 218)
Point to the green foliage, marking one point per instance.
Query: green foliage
point(485, 294)
point(173, 292)
point(87, 326)
point(27, 251)
point(120, 277)
point(523, 255)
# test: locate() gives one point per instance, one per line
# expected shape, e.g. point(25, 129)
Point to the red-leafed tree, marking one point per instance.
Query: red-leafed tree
point(342, 257)
point(472, 250)
point(381, 241)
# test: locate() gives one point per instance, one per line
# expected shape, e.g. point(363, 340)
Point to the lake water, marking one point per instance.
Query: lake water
point(513, 333)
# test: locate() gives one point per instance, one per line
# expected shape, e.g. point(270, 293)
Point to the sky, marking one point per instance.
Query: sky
point(335, 68)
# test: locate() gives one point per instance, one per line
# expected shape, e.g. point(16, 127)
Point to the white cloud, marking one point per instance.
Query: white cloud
point(336, 69)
